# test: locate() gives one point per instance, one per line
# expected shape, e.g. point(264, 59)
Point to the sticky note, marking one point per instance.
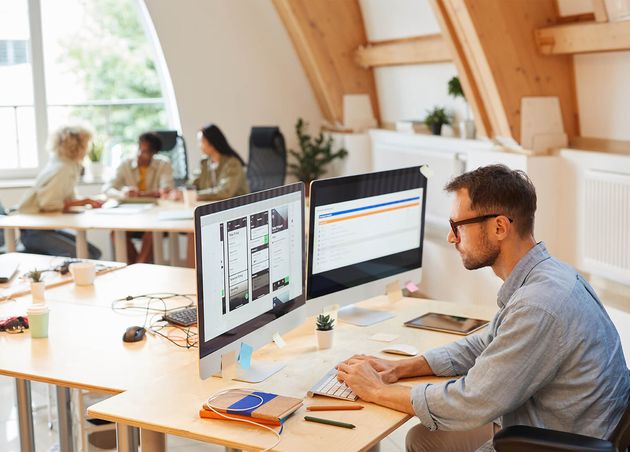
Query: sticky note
point(426, 171)
point(245, 355)
point(277, 339)
point(384, 337)
point(394, 292)
point(411, 287)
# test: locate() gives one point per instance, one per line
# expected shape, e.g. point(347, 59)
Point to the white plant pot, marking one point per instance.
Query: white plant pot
point(467, 129)
point(37, 291)
point(324, 339)
point(96, 170)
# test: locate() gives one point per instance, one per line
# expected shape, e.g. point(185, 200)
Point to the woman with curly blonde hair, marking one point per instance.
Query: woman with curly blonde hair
point(55, 190)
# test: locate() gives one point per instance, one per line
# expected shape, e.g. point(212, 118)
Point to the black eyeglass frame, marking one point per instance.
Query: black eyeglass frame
point(479, 219)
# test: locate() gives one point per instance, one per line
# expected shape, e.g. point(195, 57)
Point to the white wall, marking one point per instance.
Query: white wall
point(232, 63)
point(407, 92)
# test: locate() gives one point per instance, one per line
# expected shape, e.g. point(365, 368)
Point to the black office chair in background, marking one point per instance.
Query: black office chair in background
point(174, 148)
point(267, 165)
point(523, 438)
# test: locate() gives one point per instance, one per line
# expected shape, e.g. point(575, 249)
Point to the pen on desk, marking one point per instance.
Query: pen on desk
point(333, 407)
point(328, 421)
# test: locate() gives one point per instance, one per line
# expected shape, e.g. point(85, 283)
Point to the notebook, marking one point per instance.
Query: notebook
point(273, 411)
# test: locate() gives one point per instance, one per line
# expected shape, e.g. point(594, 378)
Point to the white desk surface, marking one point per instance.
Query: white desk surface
point(85, 348)
point(19, 285)
point(147, 220)
point(170, 404)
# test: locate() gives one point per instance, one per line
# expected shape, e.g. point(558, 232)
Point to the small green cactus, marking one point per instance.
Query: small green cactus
point(325, 322)
point(34, 275)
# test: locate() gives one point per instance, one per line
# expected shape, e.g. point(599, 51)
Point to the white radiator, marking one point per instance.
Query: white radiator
point(606, 225)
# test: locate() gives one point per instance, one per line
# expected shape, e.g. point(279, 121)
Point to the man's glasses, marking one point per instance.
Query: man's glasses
point(456, 224)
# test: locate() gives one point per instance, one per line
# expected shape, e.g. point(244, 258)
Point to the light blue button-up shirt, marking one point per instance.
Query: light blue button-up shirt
point(550, 358)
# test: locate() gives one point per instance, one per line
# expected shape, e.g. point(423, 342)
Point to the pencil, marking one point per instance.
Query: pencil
point(328, 421)
point(333, 407)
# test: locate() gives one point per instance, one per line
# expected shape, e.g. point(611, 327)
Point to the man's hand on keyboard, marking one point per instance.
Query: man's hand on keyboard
point(386, 368)
point(362, 378)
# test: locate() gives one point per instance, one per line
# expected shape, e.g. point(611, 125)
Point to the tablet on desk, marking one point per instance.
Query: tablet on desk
point(446, 323)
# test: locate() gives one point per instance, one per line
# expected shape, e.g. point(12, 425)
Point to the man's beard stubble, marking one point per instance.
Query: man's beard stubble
point(485, 256)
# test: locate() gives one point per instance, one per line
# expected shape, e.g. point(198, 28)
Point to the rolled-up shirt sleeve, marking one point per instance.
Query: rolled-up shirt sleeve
point(520, 359)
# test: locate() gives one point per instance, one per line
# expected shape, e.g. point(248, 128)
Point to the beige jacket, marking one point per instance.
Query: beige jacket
point(226, 181)
point(159, 175)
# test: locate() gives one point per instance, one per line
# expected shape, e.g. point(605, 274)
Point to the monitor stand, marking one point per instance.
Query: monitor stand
point(257, 372)
point(361, 316)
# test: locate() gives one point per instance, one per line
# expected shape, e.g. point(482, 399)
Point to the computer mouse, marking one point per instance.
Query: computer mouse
point(134, 334)
point(401, 349)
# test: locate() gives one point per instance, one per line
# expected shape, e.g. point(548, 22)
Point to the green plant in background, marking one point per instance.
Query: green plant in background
point(437, 116)
point(95, 154)
point(34, 275)
point(314, 154)
point(324, 322)
point(455, 88)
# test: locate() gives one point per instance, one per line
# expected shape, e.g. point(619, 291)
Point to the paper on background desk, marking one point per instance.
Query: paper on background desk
point(124, 209)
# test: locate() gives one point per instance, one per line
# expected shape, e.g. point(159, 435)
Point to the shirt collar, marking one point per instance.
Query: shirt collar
point(520, 271)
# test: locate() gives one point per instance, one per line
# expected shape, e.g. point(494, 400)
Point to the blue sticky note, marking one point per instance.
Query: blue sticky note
point(245, 355)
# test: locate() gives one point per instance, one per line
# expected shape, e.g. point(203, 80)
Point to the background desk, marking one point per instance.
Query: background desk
point(148, 220)
point(171, 404)
point(84, 349)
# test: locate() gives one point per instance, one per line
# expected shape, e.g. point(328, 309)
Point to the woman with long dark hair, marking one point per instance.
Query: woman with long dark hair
point(222, 170)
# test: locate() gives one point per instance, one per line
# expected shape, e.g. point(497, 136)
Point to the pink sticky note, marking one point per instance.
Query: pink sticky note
point(411, 287)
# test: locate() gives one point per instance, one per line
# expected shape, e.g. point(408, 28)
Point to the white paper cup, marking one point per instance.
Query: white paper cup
point(190, 197)
point(38, 320)
point(83, 273)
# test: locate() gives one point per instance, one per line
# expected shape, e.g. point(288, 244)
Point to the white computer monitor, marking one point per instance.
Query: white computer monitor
point(250, 254)
point(365, 231)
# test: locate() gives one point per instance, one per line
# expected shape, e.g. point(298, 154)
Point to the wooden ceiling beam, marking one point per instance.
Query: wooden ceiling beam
point(417, 50)
point(583, 38)
point(325, 34)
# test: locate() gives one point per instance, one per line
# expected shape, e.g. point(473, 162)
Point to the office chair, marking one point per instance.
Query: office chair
point(267, 163)
point(522, 438)
point(174, 147)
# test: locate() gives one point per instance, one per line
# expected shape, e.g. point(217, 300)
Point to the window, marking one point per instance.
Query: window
point(97, 68)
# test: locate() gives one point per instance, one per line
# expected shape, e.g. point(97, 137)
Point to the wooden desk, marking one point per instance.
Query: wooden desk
point(84, 349)
point(173, 403)
point(148, 220)
point(19, 285)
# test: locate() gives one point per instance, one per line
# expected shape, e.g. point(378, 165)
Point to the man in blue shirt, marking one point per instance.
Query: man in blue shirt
point(550, 358)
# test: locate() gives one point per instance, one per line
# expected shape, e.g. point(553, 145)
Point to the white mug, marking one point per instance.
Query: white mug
point(83, 273)
point(190, 197)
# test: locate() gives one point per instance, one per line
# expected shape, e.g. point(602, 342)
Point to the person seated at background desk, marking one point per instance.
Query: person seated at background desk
point(145, 175)
point(228, 178)
point(550, 358)
point(55, 190)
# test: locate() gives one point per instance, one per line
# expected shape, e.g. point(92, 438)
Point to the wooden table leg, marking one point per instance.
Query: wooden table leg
point(152, 441)
point(158, 248)
point(9, 240)
point(120, 246)
point(82, 244)
point(25, 415)
point(174, 248)
point(126, 438)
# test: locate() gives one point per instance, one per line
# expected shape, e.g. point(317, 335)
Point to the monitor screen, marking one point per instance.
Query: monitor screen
point(250, 263)
point(364, 228)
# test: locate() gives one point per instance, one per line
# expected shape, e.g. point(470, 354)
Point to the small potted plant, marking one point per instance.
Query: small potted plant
point(37, 285)
point(314, 155)
point(436, 118)
point(324, 328)
point(467, 126)
point(95, 155)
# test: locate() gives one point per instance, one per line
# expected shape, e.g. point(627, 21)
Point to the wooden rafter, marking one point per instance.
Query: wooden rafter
point(583, 38)
point(417, 50)
point(325, 35)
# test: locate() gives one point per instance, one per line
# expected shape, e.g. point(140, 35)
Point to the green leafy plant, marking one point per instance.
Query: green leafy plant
point(437, 116)
point(35, 275)
point(95, 154)
point(455, 88)
point(324, 322)
point(314, 154)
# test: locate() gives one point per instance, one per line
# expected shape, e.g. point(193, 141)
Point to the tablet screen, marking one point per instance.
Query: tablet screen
point(446, 323)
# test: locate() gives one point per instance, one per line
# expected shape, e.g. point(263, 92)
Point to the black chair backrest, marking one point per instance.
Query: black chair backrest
point(174, 148)
point(267, 163)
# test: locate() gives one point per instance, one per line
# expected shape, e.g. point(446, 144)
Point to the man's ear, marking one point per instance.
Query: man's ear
point(502, 227)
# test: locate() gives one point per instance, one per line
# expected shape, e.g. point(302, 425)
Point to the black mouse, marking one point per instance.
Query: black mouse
point(134, 334)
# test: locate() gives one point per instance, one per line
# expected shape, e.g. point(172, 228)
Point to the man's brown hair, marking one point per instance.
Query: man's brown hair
point(499, 189)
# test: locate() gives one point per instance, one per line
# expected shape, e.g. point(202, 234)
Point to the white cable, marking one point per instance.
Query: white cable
point(247, 393)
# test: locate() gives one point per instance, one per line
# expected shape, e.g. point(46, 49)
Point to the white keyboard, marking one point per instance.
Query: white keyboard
point(329, 386)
